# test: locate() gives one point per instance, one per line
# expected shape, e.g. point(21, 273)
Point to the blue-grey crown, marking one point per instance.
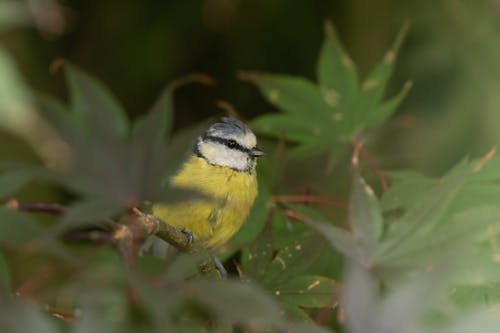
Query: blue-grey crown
point(229, 127)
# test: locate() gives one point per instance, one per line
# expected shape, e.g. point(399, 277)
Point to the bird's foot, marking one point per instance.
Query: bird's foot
point(189, 235)
point(220, 267)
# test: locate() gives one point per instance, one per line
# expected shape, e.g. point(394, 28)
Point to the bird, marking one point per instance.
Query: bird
point(222, 169)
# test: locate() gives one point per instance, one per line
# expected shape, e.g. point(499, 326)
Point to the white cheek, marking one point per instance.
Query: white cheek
point(221, 155)
point(231, 158)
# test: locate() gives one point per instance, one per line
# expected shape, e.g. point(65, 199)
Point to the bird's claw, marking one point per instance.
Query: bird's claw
point(189, 235)
point(220, 267)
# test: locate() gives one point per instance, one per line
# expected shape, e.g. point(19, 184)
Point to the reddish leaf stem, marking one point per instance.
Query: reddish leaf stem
point(309, 198)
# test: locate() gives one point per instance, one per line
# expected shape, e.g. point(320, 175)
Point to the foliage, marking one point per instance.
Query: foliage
point(338, 108)
point(402, 262)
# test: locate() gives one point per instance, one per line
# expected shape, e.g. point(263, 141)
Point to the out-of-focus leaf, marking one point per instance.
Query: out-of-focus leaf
point(5, 281)
point(249, 305)
point(486, 258)
point(487, 321)
point(365, 216)
point(15, 110)
point(422, 217)
point(103, 311)
point(407, 188)
point(400, 309)
point(18, 230)
point(12, 181)
point(257, 257)
point(307, 291)
point(339, 239)
point(304, 327)
point(293, 259)
point(94, 105)
point(156, 125)
point(13, 14)
point(375, 84)
point(460, 232)
point(85, 213)
point(467, 297)
point(359, 299)
point(149, 158)
point(17, 317)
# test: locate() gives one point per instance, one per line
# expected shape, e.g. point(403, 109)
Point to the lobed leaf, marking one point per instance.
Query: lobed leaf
point(257, 311)
point(365, 216)
point(13, 181)
point(336, 71)
point(94, 105)
point(306, 291)
point(334, 111)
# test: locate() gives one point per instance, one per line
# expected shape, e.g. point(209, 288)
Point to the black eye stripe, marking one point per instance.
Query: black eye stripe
point(227, 142)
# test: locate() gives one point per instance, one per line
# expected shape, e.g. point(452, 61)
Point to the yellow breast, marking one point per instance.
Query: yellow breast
point(215, 219)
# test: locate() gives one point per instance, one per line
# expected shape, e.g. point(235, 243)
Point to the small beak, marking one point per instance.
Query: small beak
point(256, 152)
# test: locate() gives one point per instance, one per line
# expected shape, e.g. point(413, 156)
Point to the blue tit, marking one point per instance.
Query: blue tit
point(222, 169)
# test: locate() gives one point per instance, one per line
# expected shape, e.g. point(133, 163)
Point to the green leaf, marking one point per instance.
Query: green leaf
point(306, 291)
point(422, 217)
point(5, 280)
point(339, 238)
point(459, 233)
point(292, 128)
point(13, 181)
point(257, 257)
point(100, 305)
point(374, 86)
point(365, 216)
point(382, 111)
point(14, 14)
point(293, 95)
point(407, 187)
point(293, 259)
point(17, 228)
point(301, 327)
point(94, 105)
point(85, 213)
point(359, 299)
point(467, 297)
point(321, 117)
point(336, 71)
point(18, 317)
point(248, 304)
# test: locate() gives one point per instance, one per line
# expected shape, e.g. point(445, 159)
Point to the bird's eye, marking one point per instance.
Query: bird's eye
point(232, 144)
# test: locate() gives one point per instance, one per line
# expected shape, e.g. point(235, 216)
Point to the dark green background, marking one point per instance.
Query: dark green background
point(137, 47)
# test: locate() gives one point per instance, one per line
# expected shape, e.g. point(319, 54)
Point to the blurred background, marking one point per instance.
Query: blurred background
point(137, 47)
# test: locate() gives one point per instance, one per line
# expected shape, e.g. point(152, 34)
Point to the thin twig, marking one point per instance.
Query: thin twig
point(375, 165)
point(325, 311)
point(309, 198)
point(36, 207)
point(98, 236)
